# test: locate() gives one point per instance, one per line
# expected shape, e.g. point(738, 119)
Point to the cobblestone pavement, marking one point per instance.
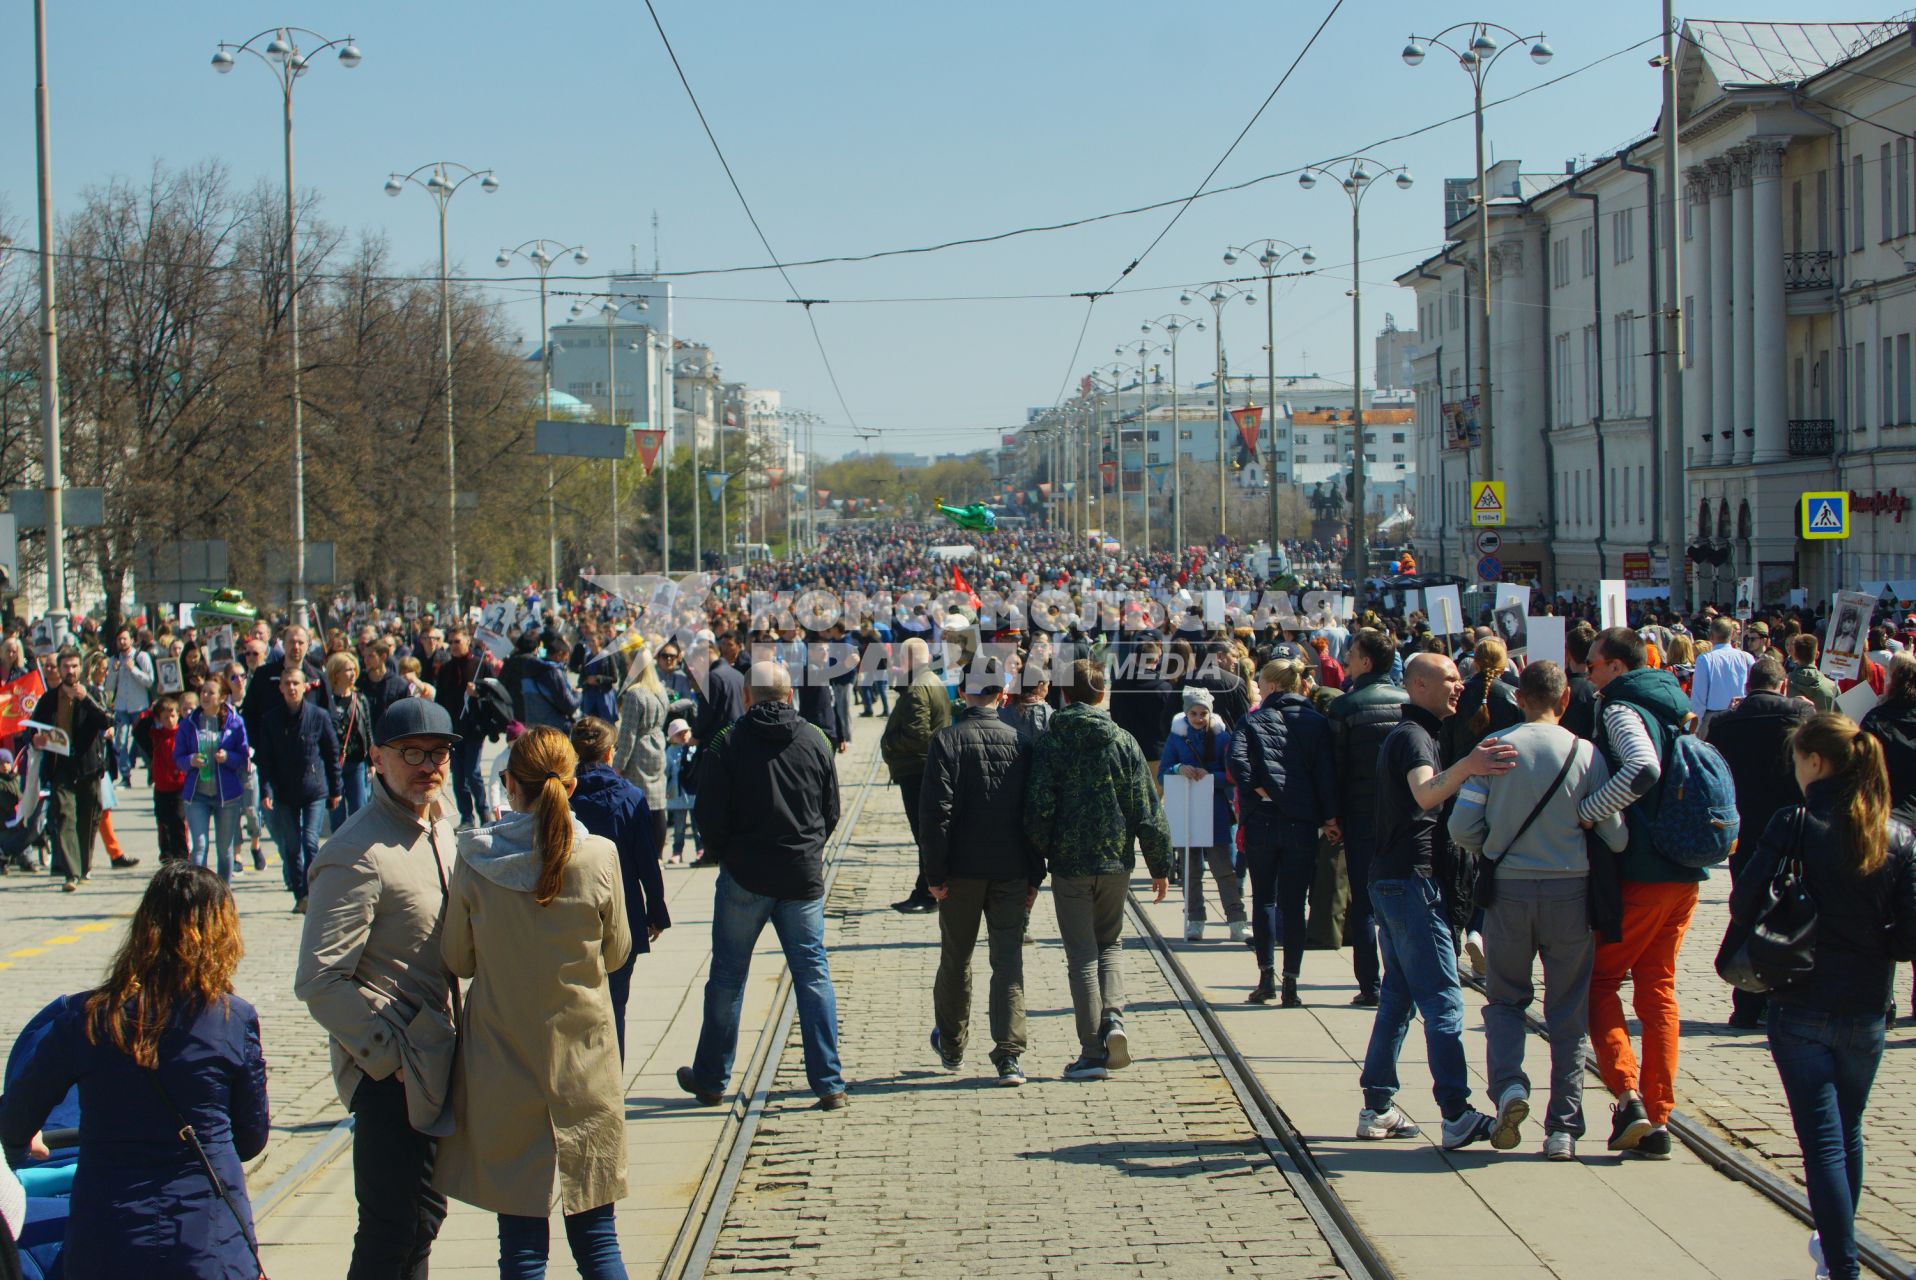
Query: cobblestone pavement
point(1156, 1171)
point(52, 943)
point(1728, 1081)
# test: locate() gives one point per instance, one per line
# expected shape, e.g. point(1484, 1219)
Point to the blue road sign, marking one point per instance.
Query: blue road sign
point(1490, 568)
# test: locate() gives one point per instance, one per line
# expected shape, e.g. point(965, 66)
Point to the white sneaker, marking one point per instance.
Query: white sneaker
point(1557, 1145)
point(1240, 930)
point(1816, 1256)
point(1194, 930)
point(1388, 1123)
point(1471, 1126)
point(1512, 1110)
point(1474, 952)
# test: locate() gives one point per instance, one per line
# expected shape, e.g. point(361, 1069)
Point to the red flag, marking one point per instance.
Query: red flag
point(1108, 471)
point(649, 442)
point(775, 474)
point(959, 585)
point(822, 495)
point(1044, 487)
point(1247, 420)
point(19, 698)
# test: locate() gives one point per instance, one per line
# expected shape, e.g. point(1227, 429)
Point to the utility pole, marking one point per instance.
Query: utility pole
point(49, 336)
point(1671, 410)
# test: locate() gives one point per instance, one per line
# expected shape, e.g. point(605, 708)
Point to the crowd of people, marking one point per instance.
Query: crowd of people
point(1442, 806)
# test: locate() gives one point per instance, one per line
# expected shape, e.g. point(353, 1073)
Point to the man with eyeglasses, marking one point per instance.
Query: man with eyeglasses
point(371, 974)
point(297, 752)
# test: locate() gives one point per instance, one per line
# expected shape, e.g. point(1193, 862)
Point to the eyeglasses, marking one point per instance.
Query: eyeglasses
point(416, 756)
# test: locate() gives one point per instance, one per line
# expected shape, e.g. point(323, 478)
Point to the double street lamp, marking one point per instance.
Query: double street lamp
point(278, 49)
point(1359, 176)
point(1270, 255)
point(444, 181)
point(1476, 56)
point(1145, 350)
point(1173, 325)
point(1113, 373)
point(610, 307)
point(544, 255)
point(1219, 295)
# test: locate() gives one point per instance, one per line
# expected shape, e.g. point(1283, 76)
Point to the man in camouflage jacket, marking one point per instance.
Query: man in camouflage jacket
point(1089, 799)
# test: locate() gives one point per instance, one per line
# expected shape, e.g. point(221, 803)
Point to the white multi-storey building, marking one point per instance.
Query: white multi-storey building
point(1799, 284)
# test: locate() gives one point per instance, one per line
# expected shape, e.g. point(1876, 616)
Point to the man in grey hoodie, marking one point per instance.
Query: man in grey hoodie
point(1525, 821)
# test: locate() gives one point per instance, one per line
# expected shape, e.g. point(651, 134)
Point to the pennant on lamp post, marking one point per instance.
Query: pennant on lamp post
point(715, 483)
point(1108, 471)
point(823, 494)
point(1044, 487)
point(775, 474)
point(1070, 487)
point(1247, 420)
point(649, 441)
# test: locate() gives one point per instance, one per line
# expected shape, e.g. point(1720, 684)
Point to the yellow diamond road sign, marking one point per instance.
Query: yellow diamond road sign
point(1486, 502)
point(1825, 515)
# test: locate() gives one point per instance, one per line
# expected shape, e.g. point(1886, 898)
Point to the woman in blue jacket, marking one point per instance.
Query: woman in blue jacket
point(163, 1045)
point(1281, 761)
point(211, 750)
point(1199, 745)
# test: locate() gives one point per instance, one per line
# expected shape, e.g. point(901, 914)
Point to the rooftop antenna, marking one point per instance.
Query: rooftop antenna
point(655, 242)
point(635, 259)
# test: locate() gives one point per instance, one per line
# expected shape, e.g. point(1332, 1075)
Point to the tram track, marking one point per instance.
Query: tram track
point(1348, 1241)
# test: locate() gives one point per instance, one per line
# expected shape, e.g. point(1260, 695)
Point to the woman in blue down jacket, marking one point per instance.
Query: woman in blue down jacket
point(1281, 762)
point(164, 1042)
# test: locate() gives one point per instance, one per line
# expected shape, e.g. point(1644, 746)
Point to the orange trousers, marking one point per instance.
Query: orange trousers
point(1655, 918)
point(107, 838)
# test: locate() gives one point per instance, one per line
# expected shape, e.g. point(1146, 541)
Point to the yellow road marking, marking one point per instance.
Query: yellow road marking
point(6, 964)
point(26, 951)
point(62, 940)
point(93, 926)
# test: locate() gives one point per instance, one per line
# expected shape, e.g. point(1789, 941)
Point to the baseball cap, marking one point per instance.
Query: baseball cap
point(414, 718)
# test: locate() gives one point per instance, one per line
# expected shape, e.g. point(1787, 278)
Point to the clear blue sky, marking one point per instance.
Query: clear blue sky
point(856, 126)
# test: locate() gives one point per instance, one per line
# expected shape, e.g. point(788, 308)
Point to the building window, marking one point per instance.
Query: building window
point(1560, 262)
point(1456, 307)
point(1861, 230)
point(1592, 372)
point(1587, 251)
point(1561, 374)
point(1689, 219)
point(1888, 193)
point(1397, 437)
point(1643, 505)
point(1152, 436)
point(1859, 388)
point(1902, 186)
point(1689, 331)
point(1396, 457)
point(1903, 413)
point(1623, 246)
point(1886, 410)
point(1623, 334)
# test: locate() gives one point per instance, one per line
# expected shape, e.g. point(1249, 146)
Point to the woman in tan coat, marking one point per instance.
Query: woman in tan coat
point(535, 919)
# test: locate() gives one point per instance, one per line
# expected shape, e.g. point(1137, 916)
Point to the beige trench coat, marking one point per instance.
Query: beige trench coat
point(537, 1089)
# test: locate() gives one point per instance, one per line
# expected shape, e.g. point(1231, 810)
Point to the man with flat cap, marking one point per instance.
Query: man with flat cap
point(370, 973)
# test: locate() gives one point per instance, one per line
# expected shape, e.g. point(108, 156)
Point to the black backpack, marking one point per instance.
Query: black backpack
point(489, 709)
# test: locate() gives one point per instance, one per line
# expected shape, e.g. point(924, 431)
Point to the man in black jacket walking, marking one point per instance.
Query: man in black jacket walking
point(1360, 721)
point(767, 802)
point(1753, 736)
point(978, 863)
point(298, 756)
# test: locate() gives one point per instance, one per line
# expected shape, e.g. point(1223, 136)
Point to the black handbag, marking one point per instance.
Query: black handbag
point(1485, 886)
point(1778, 946)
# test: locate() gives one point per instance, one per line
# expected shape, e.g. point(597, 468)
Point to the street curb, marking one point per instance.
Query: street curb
point(337, 1139)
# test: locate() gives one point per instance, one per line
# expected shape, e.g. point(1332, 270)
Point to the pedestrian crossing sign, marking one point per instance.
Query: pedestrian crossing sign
point(1486, 502)
point(1825, 515)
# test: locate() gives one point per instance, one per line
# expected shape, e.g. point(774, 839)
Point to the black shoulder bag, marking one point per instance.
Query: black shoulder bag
point(1485, 888)
point(192, 1140)
point(1779, 945)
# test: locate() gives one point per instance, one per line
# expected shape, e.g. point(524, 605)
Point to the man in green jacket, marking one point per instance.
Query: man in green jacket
point(1089, 800)
point(922, 709)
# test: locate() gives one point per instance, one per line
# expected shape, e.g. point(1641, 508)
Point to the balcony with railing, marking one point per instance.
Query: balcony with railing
point(1809, 270)
point(1812, 437)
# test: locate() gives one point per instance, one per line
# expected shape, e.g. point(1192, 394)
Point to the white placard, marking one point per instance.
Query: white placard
point(1848, 629)
point(1509, 593)
point(1611, 608)
point(1187, 809)
point(1746, 598)
point(1856, 701)
point(166, 672)
point(1799, 597)
point(1213, 608)
point(1346, 608)
point(1445, 608)
point(495, 644)
point(1546, 640)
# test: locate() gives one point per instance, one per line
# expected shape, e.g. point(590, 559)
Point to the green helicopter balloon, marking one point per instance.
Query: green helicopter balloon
point(977, 516)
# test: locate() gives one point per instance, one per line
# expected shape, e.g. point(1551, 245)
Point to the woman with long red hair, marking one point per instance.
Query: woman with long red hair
point(172, 1087)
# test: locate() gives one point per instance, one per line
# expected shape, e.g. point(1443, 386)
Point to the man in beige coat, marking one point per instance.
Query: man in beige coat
point(370, 972)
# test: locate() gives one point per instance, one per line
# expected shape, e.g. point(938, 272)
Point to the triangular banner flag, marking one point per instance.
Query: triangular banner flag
point(715, 483)
point(823, 494)
point(1247, 420)
point(1044, 487)
point(775, 474)
point(649, 441)
point(1109, 472)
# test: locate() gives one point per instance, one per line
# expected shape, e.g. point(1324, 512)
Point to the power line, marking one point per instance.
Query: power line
point(810, 320)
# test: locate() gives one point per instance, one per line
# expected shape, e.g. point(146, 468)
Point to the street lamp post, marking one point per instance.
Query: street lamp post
point(282, 56)
point(1218, 295)
point(444, 182)
point(1145, 350)
point(49, 332)
point(610, 305)
point(1271, 255)
point(543, 254)
point(1173, 325)
point(1114, 373)
point(1476, 58)
point(1360, 175)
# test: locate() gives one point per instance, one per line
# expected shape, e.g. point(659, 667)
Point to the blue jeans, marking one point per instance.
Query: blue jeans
point(1420, 974)
point(593, 1235)
point(877, 690)
point(224, 819)
point(738, 917)
point(1828, 1062)
point(468, 787)
point(296, 829)
point(352, 794)
point(123, 745)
